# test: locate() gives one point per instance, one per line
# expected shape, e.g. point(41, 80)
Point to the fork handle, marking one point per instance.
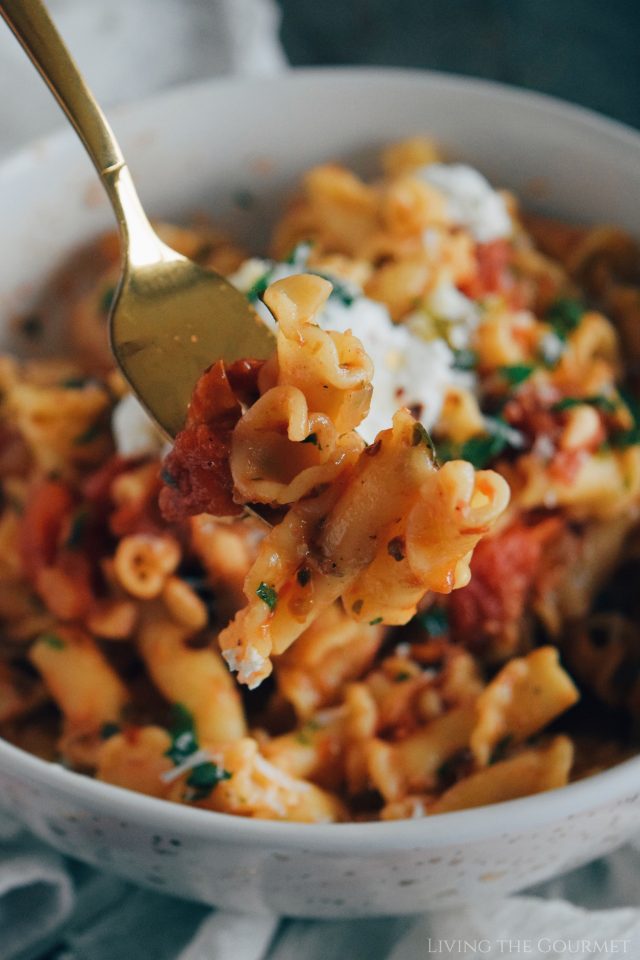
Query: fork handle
point(34, 28)
point(30, 22)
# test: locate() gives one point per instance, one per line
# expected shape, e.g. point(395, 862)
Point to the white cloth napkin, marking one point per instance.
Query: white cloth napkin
point(59, 910)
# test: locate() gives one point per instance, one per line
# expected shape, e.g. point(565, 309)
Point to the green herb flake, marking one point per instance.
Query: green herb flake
point(303, 735)
point(303, 576)
point(517, 373)
point(268, 595)
point(52, 640)
point(500, 749)
point(624, 439)
point(483, 449)
point(106, 301)
point(204, 778)
point(465, 360)
point(602, 403)
point(374, 623)
point(564, 315)
point(183, 734)
point(75, 383)
point(421, 435)
point(77, 528)
point(342, 292)
point(435, 621)
point(90, 434)
point(480, 451)
point(108, 730)
point(312, 438)
point(402, 675)
point(257, 289)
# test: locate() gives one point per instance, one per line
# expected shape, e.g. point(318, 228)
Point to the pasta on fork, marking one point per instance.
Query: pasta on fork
point(376, 526)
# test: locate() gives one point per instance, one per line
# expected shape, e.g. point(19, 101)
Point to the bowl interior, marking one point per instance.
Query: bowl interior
point(234, 149)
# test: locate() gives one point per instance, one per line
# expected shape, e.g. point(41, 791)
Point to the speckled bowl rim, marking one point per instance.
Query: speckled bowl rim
point(481, 823)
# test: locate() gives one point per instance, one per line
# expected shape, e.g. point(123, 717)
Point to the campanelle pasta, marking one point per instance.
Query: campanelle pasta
point(446, 444)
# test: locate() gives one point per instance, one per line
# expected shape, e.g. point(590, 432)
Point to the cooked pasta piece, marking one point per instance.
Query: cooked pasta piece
point(187, 669)
point(527, 694)
point(83, 684)
point(532, 771)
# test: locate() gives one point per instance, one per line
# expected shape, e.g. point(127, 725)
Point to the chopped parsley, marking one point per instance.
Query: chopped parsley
point(184, 742)
point(481, 450)
point(465, 360)
point(517, 373)
point(108, 730)
point(203, 779)
point(602, 403)
point(374, 623)
point(564, 315)
point(92, 433)
point(484, 448)
point(402, 675)
point(303, 735)
point(183, 734)
point(625, 438)
point(500, 749)
point(341, 291)
point(52, 640)
point(312, 438)
point(75, 383)
point(421, 435)
point(435, 621)
point(77, 529)
point(258, 287)
point(268, 595)
point(303, 576)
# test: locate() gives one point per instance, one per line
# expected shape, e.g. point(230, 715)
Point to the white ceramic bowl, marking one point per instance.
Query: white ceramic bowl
point(198, 148)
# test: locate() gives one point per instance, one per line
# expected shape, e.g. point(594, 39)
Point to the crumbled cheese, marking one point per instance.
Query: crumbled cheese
point(273, 773)
point(134, 432)
point(544, 447)
point(551, 348)
point(251, 663)
point(471, 200)
point(408, 370)
point(230, 656)
point(193, 760)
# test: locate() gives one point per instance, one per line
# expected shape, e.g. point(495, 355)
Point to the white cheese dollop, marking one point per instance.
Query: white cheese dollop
point(134, 432)
point(408, 371)
point(471, 200)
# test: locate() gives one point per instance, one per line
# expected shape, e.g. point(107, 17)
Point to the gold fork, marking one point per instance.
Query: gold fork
point(170, 318)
